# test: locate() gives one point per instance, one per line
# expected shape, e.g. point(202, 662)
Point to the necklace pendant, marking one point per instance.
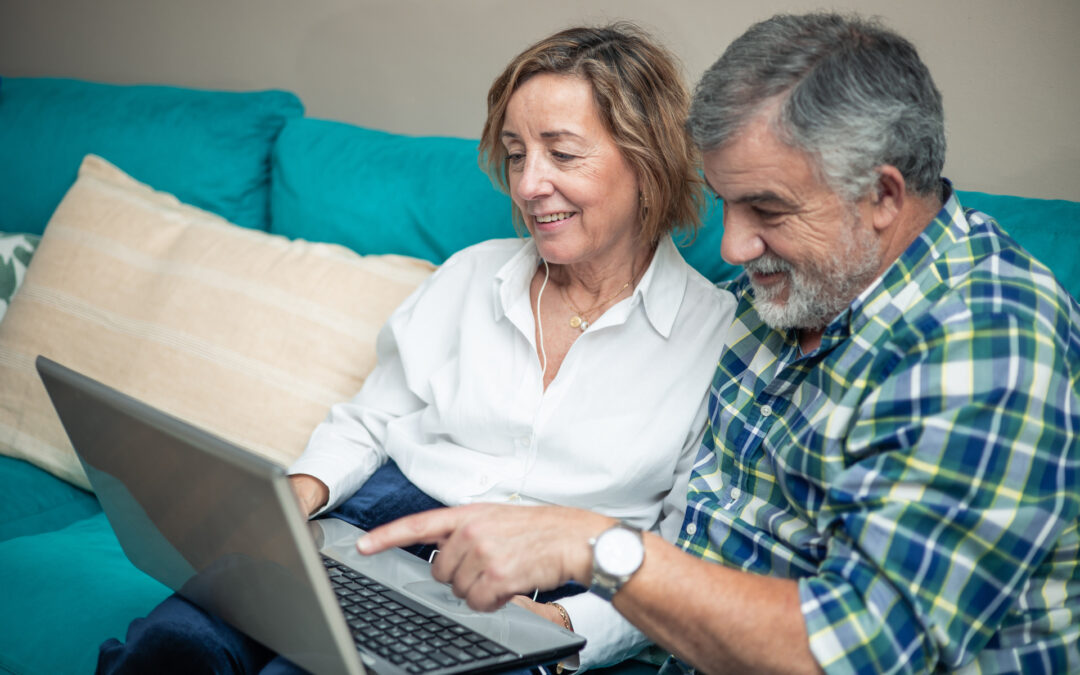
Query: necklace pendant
point(577, 322)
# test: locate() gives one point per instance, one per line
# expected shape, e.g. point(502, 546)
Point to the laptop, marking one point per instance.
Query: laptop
point(220, 526)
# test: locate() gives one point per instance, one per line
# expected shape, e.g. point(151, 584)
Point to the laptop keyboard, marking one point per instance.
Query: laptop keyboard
point(404, 632)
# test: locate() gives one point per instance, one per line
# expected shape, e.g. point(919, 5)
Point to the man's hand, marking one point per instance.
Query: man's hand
point(311, 492)
point(490, 553)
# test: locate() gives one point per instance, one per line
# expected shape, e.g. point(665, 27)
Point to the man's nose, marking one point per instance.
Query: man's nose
point(741, 242)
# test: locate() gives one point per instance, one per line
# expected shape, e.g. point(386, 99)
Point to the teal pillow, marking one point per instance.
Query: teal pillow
point(1049, 229)
point(377, 192)
point(65, 592)
point(209, 148)
point(15, 253)
point(703, 251)
point(35, 501)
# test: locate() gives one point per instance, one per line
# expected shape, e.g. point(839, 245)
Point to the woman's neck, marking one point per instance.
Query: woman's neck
point(590, 282)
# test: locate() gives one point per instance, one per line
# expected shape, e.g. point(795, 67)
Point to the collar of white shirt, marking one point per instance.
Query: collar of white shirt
point(660, 291)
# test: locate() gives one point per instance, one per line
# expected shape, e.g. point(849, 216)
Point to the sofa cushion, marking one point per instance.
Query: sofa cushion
point(243, 333)
point(1049, 229)
point(210, 148)
point(378, 192)
point(35, 501)
point(15, 253)
point(65, 592)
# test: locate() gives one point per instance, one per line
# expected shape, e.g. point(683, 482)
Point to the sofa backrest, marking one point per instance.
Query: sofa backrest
point(427, 197)
point(252, 158)
point(209, 148)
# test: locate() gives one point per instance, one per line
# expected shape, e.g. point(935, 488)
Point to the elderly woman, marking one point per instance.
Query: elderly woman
point(569, 367)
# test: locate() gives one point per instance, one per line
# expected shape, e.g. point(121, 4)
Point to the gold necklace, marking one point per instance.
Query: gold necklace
point(580, 319)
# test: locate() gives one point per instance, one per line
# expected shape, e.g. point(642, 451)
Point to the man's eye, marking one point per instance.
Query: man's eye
point(767, 214)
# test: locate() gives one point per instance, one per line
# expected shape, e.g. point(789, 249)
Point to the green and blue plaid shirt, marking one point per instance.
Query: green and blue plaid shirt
point(919, 473)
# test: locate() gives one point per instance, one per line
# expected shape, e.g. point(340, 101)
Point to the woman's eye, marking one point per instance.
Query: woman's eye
point(515, 158)
point(562, 156)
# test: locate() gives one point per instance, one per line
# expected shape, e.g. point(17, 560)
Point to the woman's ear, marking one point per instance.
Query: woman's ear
point(889, 196)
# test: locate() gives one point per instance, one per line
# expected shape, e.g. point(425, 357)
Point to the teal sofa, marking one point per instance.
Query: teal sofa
point(254, 158)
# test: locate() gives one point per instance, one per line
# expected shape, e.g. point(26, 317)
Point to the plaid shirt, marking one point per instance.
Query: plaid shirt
point(919, 473)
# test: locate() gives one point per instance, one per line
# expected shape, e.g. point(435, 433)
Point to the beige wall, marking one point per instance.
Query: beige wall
point(1007, 69)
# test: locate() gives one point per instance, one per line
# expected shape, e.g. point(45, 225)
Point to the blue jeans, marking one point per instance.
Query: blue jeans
point(178, 637)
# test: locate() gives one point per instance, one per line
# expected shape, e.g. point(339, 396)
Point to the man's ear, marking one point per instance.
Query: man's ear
point(890, 193)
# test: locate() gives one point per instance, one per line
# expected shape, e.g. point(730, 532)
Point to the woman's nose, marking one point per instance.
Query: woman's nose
point(534, 182)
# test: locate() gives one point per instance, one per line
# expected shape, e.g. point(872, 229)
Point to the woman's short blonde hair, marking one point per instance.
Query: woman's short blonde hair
point(643, 102)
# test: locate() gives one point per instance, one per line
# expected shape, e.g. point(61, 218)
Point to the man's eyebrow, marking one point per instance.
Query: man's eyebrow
point(763, 197)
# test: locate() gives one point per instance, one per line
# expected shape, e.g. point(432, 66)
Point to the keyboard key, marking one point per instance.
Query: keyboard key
point(490, 646)
point(443, 658)
point(456, 652)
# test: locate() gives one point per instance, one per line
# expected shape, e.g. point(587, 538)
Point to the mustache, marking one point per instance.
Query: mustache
point(767, 263)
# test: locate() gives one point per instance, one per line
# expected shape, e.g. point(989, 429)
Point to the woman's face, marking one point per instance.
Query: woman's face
point(576, 192)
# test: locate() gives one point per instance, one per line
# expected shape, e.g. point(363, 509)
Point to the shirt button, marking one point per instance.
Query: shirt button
point(525, 441)
point(691, 529)
point(766, 410)
point(735, 493)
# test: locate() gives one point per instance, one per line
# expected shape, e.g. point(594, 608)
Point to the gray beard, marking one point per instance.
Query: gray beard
point(817, 292)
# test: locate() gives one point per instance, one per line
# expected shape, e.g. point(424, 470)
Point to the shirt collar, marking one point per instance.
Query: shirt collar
point(660, 291)
point(900, 285)
point(663, 286)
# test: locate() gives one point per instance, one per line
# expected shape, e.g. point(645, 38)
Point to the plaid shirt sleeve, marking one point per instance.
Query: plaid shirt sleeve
point(966, 474)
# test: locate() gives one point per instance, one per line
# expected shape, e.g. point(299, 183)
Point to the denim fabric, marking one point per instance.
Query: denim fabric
point(387, 496)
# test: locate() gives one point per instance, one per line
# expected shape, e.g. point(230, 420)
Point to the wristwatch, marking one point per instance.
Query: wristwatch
point(617, 554)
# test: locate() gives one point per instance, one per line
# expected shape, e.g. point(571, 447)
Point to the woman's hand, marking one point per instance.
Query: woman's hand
point(311, 492)
point(489, 553)
point(544, 610)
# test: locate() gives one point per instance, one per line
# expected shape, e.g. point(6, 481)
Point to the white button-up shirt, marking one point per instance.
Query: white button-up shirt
point(457, 401)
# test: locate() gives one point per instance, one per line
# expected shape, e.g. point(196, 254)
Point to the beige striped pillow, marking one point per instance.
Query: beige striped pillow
point(246, 334)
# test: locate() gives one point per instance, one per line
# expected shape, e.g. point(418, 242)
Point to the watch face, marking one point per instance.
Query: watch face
point(619, 552)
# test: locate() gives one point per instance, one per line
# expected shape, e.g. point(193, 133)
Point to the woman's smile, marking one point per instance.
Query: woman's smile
point(551, 222)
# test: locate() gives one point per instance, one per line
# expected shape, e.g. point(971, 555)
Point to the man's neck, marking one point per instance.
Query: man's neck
point(810, 339)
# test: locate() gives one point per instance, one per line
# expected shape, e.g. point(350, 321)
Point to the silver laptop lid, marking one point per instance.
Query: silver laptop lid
point(219, 527)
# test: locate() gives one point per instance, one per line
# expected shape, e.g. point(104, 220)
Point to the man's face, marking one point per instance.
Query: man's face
point(808, 252)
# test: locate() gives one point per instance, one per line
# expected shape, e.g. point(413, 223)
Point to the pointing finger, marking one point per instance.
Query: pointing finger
point(429, 527)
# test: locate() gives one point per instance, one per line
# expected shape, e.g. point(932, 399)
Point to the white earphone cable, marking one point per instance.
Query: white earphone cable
point(540, 322)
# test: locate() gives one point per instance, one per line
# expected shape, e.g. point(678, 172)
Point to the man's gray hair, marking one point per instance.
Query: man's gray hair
point(852, 94)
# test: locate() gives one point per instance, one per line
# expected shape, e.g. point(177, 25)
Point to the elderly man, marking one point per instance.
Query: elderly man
point(890, 478)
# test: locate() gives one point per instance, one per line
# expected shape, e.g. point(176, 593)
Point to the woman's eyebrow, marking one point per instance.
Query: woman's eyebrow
point(558, 134)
